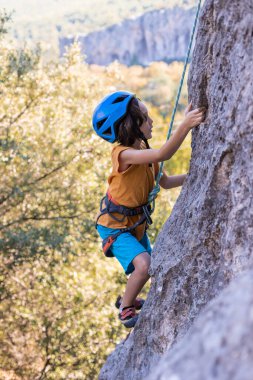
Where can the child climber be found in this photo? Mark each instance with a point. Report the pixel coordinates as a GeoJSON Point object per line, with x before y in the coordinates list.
{"type": "Point", "coordinates": [121, 117]}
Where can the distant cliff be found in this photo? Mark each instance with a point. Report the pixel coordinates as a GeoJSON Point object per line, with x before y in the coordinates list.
{"type": "Point", "coordinates": [160, 35]}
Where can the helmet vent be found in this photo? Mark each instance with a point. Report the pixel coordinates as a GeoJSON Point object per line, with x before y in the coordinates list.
{"type": "Point", "coordinates": [100, 123]}
{"type": "Point", "coordinates": [120, 99]}
{"type": "Point", "coordinates": [108, 132]}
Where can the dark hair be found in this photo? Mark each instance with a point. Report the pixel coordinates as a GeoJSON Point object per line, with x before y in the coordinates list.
{"type": "Point", "coordinates": [128, 129]}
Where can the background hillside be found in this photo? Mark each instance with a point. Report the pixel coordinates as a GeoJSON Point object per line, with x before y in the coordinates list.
{"type": "Point", "coordinates": [157, 35]}
{"type": "Point", "coordinates": [47, 20]}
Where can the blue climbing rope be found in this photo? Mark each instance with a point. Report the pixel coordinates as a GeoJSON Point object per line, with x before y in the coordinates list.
{"type": "Point", "coordinates": [153, 194]}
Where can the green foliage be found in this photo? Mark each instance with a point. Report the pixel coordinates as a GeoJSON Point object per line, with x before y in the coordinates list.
{"type": "Point", "coordinates": [57, 289]}
{"type": "Point", "coordinates": [4, 19]}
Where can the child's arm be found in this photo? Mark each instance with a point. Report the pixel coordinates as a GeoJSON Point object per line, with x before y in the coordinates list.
{"type": "Point", "coordinates": [134, 156]}
{"type": "Point", "coordinates": [168, 182]}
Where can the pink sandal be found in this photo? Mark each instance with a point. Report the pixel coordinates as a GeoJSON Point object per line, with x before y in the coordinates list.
{"type": "Point", "coordinates": [128, 316]}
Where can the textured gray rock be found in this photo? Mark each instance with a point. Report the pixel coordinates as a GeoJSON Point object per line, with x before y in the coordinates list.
{"type": "Point", "coordinates": [160, 35]}
{"type": "Point", "coordinates": [208, 239]}
{"type": "Point", "coordinates": [220, 350]}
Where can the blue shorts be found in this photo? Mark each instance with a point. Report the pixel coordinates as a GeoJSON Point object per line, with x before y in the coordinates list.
{"type": "Point", "coordinates": [126, 247]}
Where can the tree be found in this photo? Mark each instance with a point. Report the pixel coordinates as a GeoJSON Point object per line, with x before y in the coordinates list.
{"type": "Point", "coordinates": [57, 290]}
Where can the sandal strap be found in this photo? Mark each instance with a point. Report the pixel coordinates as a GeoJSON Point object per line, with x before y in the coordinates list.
{"type": "Point", "coordinates": [128, 312]}
{"type": "Point", "coordinates": [127, 307]}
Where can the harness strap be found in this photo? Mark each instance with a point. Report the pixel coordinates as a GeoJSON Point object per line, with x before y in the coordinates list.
{"type": "Point", "coordinates": [112, 206]}
{"type": "Point", "coordinates": [127, 211]}
{"type": "Point", "coordinates": [146, 211]}
{"type": "Point", "coordinates": [107, 242]}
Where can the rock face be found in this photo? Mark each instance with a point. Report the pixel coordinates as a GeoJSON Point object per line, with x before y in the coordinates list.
{"type": "Point", "coordinates": [160, 35]}
{"type": "Point", "coordinates": [220, 350]}
{"type": "Point", "coordinates": [198, 315]}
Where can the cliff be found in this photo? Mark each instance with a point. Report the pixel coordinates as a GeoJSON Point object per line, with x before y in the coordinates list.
{"type": "Point", "coordinates": [160, 35]}
{"type": "Point", "coordinates": [198, 316]}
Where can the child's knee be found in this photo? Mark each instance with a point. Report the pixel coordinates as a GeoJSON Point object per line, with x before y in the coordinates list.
{"type": "Point", "coordinates": [142, 264]}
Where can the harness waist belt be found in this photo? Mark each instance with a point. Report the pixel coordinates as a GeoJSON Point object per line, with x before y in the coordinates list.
{"type": "Point", "coordinates": [113, 206]}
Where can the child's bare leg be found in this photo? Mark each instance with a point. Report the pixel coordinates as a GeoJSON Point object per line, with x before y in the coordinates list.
{"type": "Point", "coordinates": [137, 280]}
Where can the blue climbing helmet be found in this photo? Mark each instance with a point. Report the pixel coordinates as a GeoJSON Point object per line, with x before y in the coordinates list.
{"type": "Point", "coordinates": [109, 112]}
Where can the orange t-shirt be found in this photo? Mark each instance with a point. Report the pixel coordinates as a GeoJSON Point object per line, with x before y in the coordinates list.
{"type": "Point", "coordinates": [129, 188]}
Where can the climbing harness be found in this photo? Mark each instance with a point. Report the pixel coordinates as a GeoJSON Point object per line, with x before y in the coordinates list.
{"type": "Point", "coordinates": [111, 206]}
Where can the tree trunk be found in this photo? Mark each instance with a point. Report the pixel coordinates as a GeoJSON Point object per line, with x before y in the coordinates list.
{"type": "Point", "coordinates": [208, 240]}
